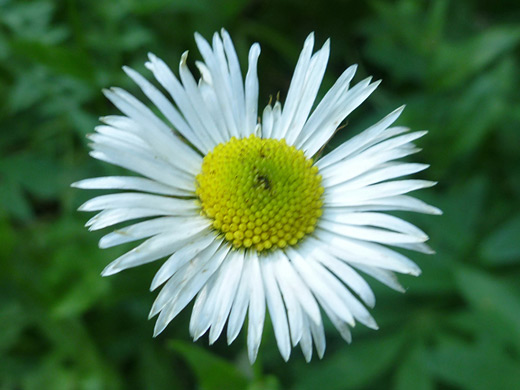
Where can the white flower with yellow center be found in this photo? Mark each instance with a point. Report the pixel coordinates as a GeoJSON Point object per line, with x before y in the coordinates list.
{"type": "Point", "coordinates": [247, 219]}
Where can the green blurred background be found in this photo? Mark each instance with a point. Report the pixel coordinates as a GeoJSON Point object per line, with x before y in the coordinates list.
{"type": "Point", "coordinates": [455, 64]}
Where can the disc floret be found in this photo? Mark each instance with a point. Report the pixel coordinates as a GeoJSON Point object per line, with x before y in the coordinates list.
{"type": "Point", "coordinates": [260, 193]}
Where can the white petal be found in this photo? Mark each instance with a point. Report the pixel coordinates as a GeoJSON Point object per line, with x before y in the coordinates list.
{"type": "Point", "coordinates": [294, 311]}
{"type": "Point", "coordinates": [381, 220]}
{"type": "Point", "coordinates": [210, 99]}
{"type": "Point", "coordinates": [377, 191]}
{"type": "Point", "coordinates": [168, 110]}
{"type": "Point", "coordinates": [158, 134]}
{"type": "Point", "coordinates": [388, 278]}
{"type": "Point", "coordinates": [313, 80]}
{"type": "Point", "coordinates": [221, 81]}
{"type": "Point", "coordinates": [316, 279]}
{"type": "Point", "coordinates": [360, 141]}
{"type": "Point", "coordinates": [276, 308]}
{"type": "Point", "coordinates": [345, 273]}
{"type": "Point", "coordinates": [197, 113]}
{"type": "Point", "coordinates": [318, 335]}
{"type": "Point", "coordinates": [239, 308]}
{"type": "Point", "coordinates": [192, 281]}
{"type": "Point", "coordinates": [130, 200]}
{"type": "Point", "coordinates": [144, 165]}
{"type": "Point", "coordinates": [295, 89]}
{"type": "Point", "coordinates": [370, 234]}
{"type": "Point", "coordinates": [127, 183]}
{"type": "Point", "coordinates": [152, 249]}
{"type": "Point", "coordinates": [184, 227]}
{"type": "Point", "coordinates": [368, 166]}
{"type": "Point", "coordinates": [225, 295]}
{"type": "Point", "coordinates": [197, 244]}
{"type": "Point", "coordinates": [114, 216]}
{"type": "Point", "coordinates": [326, 106]}
{"type": "Point", "coordinates": [352, 99]}
{"type": "Point", "coordinates": [341, 326]}
{"type": "Point", "coordinates": [235, 73]}
{"type": "Point", "coordinates": [167, 79]}
{"type": "Point", "coordinates": [361, 252]}
{"type": "Point", "coordinates": [306, 340]}
{"type": "Point", "coordinates": [301, 290]}
{"type": "Point", "coordinates": [400, 202]}
{"type": "Point", "coordinates": [378, 174]}
{"type": "Point", "coordinates": [256, 314]}
{"type": "Point", "coordinates": [128, 138]}
{"type": "Point", "coordinates": [251, 94]}
{"type": "Point", "coordinates": [267, 122]}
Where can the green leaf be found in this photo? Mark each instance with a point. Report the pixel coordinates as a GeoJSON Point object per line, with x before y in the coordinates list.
{"type": "Point", "coordinates": [359, 364]}
{"type": "Point", "coordinates": [502, 247]}
{"type": "Point", "coordinates": [474, 367]}
{"type": "Point", "coordinates": [62, 60]}
{"type": "Point", "coordinates": [457, 62]}
{"type": "Point", "coordinates": [211, 371]}
{"type": "Point", "coordinates": [412, 374]}
{"type": "Point", "coordinates": [490, 295]}
{"type": "Point", "coordinates": [39, 175]}
{"type": "Point", "coordinates": [268, 382]}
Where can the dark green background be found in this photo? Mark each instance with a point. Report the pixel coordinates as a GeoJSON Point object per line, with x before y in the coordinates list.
{"type": "Point", "coordinates": [455, 64]}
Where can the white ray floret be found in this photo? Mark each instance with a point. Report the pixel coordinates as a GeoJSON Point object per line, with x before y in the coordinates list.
{"type": "Point", "coordinates": [297, 284]}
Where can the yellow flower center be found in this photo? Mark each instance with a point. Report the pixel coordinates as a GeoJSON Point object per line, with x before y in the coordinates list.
{"type": "Point", "coordinates": [260, 193]}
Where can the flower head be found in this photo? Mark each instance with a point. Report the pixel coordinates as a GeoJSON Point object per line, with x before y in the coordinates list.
{"type": "Point", "coordinates": [247, 219]}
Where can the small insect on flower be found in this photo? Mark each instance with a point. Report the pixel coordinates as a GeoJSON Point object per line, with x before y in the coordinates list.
{"type": "Point", "coordinates": [247, 219]}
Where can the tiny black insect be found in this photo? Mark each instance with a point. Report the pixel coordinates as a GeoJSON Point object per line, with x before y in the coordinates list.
{"type": "Point", "coordinates": [263, 181]}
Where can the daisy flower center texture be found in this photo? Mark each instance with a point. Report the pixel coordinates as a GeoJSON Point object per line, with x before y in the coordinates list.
{"type": "Point", "coordinates": [243, 221]}
{"type": "Point", "coordinates": [260, 193]}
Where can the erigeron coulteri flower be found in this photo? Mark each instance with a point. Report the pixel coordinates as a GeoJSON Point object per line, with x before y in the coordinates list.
{"type": "Point", "coordinates": [246, 216]}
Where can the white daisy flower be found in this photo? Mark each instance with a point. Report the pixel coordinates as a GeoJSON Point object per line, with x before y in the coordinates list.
{"type": "Point", "coordinates": [248, 221]}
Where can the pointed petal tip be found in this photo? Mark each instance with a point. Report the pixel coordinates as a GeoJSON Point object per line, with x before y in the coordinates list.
{"type": "Point", "coordinates": [376, 83]}
{"type": "Point", "coordinates": [109, 270]}
{"type": "Point", "coordinates": [157, 330]}
{"type": "Point", "coordinates": [372, 324]}
{"type": "Point", "coordinates": [155, 283]}
{"type": "Point", "coordinates": [252, 358]}
{"type": "Point", "coordinates": [184, 58]}
{"type": "Point", "coordinates": [414, 271]}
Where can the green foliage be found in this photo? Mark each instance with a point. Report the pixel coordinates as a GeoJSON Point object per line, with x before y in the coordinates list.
{"type": "Point", "coordinates": [454, 63]}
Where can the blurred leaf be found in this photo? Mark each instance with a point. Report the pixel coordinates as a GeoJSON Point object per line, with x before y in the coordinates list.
{"type": "Point", "coordinates": [480, 325]}
{"type": "Point", "coordinates": [491, 296]}
{"type": "Point", "coordinates": [81, 296]}
{"type": "Point", "coordinates": [62, 60]}
{"type": "Point", "coordinates": [269, 382]}
{"type": "Point", "coordinates": [212, 372]}
{"type": "Point", "coordinates": [37, 174]}
{"type": "Point", "coordinates": [455, 63]}
{"type": "Point", "coordinates": [177, 6]}
{"type": "Point", "coordinates": [359, 364]}
{"type": "Point", "coordinates": [412, 373]}
{"type": "Point", "coordinates": [12, 200]}
{"type": "Point", "coordinates": [156, 369]}
{"type": "Point", "coordinates": [480, 367]}
{"type": "Point", "coordinates": [13, 320]}
{"type": "Point", "coordinates": [456, 230]}
{"type": "Point", "coordinates": [502, 247]}
{"type": "Point", "coordinates": [31, 20]}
